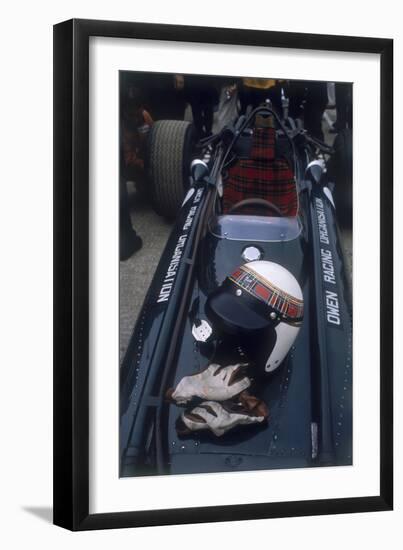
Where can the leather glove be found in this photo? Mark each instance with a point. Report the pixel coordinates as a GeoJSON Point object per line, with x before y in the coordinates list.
{"type": "Point", "coordinates": [216, 383]}
{"type": "Point", "coordinates": [219, 417]}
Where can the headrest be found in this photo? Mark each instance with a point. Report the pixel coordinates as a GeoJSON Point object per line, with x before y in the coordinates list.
{"type": "Point", "coordinates": [263, 144]}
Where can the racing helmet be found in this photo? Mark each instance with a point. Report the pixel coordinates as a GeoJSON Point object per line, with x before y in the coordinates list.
{"type": "Point", "coordinates": [261, 305]}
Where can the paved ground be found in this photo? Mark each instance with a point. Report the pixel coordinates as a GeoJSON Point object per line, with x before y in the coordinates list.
{"type": "Point", "coordinates": [136, 273]}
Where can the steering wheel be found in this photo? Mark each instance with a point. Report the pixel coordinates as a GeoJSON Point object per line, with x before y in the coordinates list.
{"type": "Point", "coordinates": [255, 202]}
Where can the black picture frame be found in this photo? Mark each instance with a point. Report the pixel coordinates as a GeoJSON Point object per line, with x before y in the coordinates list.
{"type": "Point", "coordinates": [71, 274]}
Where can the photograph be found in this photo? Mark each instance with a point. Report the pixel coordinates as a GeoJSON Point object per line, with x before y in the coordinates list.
{"type": "Point", "coordinates": [235, 273]}
{"type": "Point", "coordinates": [202, 256]}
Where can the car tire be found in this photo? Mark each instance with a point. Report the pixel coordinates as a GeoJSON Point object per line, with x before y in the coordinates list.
{"type": "Point", "coordinates": [169, 154]}
{"type": "Point", "coordinates": [341, 172]}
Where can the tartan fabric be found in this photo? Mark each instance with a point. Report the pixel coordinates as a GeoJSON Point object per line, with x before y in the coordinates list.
{"type": "Point", "coordinates": [287, 307]}
{"type": "Point", "coordinates": [262, 176]}
{"type": "Point", "coordinates": [263, 143]}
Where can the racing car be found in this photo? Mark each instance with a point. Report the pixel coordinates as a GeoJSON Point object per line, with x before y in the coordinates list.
{"type": "Point", "coordinates": [241, 357]}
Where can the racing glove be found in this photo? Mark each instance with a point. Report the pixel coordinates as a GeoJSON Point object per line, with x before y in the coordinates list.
{"type": "Point", "coordinates": [219, 417]}
{"type": "Point", "coordinates": [216, 383]}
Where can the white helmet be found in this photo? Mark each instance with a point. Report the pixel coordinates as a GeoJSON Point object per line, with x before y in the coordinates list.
{"type": "Point", "coordinates": [262, 304]}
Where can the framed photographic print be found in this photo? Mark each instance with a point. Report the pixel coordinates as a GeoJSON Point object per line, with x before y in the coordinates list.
{"type": "Point", "coordinates": [223, 274]}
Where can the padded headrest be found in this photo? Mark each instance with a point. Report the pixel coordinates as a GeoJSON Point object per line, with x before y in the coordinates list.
{"type": "Point", "coordinates": [263, 144]}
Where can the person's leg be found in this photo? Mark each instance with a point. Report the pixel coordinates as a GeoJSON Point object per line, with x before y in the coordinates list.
{"type": "Point", "coordinates": [207, 101]}
{"type": "Point", "coordinates": [195, 101]}
{"type": "Point", "coordinates": [246, 97]}
{"type": "Point", "coordinates": [129, 241]}
{"type": "Point", "coordinates": [316, 102]}
{"type": "Point", "coordinates": [344, 105]}
{"type": "Point", "coordinates": [296, 92]}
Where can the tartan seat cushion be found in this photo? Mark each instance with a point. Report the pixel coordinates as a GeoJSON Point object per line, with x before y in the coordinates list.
{"type": "Point", "coordinates": [262, 176]}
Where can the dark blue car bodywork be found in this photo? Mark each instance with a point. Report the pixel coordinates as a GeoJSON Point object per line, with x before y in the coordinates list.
{"type": "Point", "coordinates": [309, 396]}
